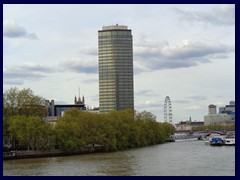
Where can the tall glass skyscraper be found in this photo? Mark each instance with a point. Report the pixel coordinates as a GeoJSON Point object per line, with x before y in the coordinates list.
{"type": "Point", "coordinates": [115, 53]}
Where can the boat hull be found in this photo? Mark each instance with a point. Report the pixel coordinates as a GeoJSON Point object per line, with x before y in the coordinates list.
{"type": "Point", "coordinates": [217, 141]}
{"type": "Point", "coordinates": [229, 142]}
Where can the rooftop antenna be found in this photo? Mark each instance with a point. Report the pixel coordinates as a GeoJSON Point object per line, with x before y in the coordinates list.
{"type": "Point", "coordinates": [79, 92]}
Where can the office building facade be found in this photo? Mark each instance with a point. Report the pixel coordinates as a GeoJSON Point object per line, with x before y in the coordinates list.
{"type": "Point", "coordinates": [115, 68]}
{"type": "Point", "coordinates": [228, 109]}
{"type": "Point", "coordinates": [212, 109]}
{"type": "Point", "coordinates": [225, 116]}
{"type": "Point", "coordinates": [59, 109]}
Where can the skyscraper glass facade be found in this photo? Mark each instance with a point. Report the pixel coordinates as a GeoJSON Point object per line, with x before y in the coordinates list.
{"type": "Point", "coordinates": [115, 68]}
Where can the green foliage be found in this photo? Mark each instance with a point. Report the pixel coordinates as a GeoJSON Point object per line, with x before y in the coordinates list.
{"type": "Point", "coordinates": [78, 130]}
{"type": "Point", "coordinates": [215, 127]}
{"type": "Point", "coordinates": [68, 136]}
{"type": "Point", "coordinates": [117, 130]}
{"type": "Point", "coordinates": [32, 132]}
{"type": "Point", "coordinates": [22, 102]}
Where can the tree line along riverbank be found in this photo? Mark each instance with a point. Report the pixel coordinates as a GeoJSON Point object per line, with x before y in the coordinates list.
{"type": "Point", "coordinates": [79, 131]}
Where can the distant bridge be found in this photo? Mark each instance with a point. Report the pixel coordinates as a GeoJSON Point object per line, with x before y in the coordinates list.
{"type": "Point", "coordinates": [204, 132]}
{"type": "Point", "coordinates": [191, 135]}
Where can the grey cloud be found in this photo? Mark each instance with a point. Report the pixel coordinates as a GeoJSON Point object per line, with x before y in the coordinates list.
{"type": "Point", "coordinates": [32, 36]}
{"type": "Point", "coordinates": [197, 98]}
{"type": "Point", "coordinates": [13, 81]}
{"type": "Point", "coordinates": [79, 66]}
{"type": "Point", "coordinates": [19, 73]}
{"type": "Point", "coordinates": [181, 101]}
{"type": "Point", "coordinates": [13, 30]}
{"type": "Point", "coordinates": [143, 106]}
{"type": "Point", "coordinates": [195, 108]}
{"type": "Point", "coordinates": [89, 51]}
{"type": "Point", "coordinates": [146, 93]}
{"type": "Point", "coordinates": [22, 75]}
{"type": "Point", "coordinates": [150, 104]}
{"type": "Point", "coordinates": [139, 68]}
{"type": "Point", "coordinates": [181, 50]}
{"type": "Point", "coordinates": [155, 105]}
{"type": "Point", "coordinates": [31, 67]}
{"type": "Point", "coordinates": [183, 54]}
{"type": "Point", "coordinates": [223, 15]}
{"type": "Point", "coordinates": [220, 56]}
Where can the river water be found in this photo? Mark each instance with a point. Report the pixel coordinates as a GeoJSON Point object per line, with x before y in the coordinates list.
{"type": "Point", "coordinates": [184, 158]}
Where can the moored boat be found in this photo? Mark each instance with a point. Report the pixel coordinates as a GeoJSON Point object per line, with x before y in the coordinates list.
{"type": "Point", "coordinates": [217, 140]}
{"type": "Point", "coordinates": [229, 141]}
{"type": "Point", "coordinates": [220, 140]}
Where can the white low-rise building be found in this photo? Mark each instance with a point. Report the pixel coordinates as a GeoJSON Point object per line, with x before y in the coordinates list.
{"type": "Point", "coordinates": [218, 119]}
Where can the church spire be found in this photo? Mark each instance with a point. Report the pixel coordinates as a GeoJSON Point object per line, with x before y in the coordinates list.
{"type": "Point", "coordinates": [75, 100]}
{"type": "Point", "coordinates": [79, 98]}
{"type": "Point", "coordinates": [83, 100]}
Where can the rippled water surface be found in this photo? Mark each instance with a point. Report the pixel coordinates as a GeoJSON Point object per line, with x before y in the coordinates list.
{"type": "Point", "coordinates": [186, 158]}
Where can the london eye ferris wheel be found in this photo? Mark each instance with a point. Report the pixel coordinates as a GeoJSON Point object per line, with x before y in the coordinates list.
{"type": "Point", "coordinates": [168, 110]}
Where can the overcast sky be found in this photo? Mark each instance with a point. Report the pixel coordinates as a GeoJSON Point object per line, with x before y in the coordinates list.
{"type": "Point", "coordinates": [186, 52]}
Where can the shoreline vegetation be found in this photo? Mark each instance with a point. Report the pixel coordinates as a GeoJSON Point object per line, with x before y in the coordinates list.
{"type": "Point", "coordinates": [30, 154]}
{"type": "Point", "coordinates": [27, 154]}
{"type": "Point", "coordinates": [77, 131]}
{"type": "Point", "coordinates": [216, 127]}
